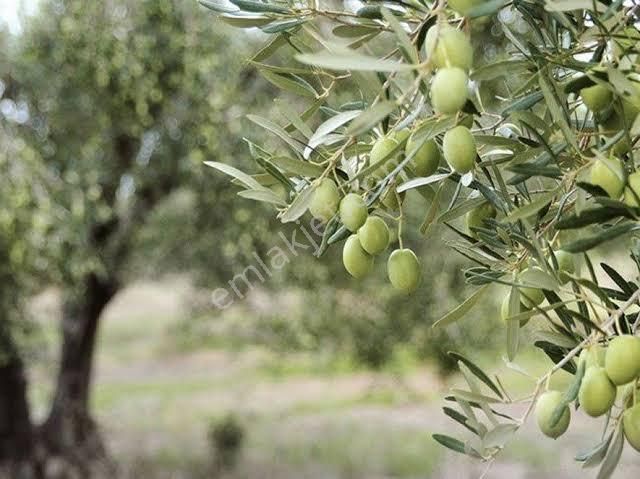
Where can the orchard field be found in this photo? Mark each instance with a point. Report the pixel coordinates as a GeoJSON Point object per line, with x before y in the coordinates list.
{"type": "Point", "coordinates": [304, 416]}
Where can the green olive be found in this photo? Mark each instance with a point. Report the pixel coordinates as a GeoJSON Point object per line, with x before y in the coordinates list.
{"type": "Point", "coordinates": [463, 6]}
{"type": "Point", "coordinates": [597, 392]}
{"type": "Point", "coordinates": [381, 154]}
{"type": "Point", "coordinates": [609, 175]}
{"type": "Point", "coordinates": [449, 90]}
{"type": "Point", "coordinates": [403, 268]}
{"type": "Point", "coordinates": [631, 426]}
{"type": "Point", "coordinates": [389, 199]}
{"type": "Point", "coordinates": [356, 260]}
{"type": "Point", "coordinates": [593, 356]}
{"type": "Point", "coordinates": [622, 147]}
{"type": "Point", "coordinates": [449, 47]}
{"type": "Point", "coordinates": [476, 217]}
{"type": "Point", "coordinates": [459, 149]}
{"type": "Point", "coordinates": [597, 97]}
{"type": "Point", "coordinates": [622, 361]}
{"type": "Point", "coordinates": [425, 161]}
{"type": "Point", "coordinates": [325, 200]}
{"type": "Point", "coordinates": [400, 135]}
{"type": "Point", "coordinates": [353, 211]}
{"type": "Point", "coordinates": [632, 191]}
{"type": "Point", "coordinates": [374, 235]}
{"type": "Point", "coordinates": [545, 408]}
{"type": "Point", "coordinates": [530, 296]}
{"type": "Point", "coordinates": [623, 114]}
{"type": "Point", "coordinates": [566, 265]}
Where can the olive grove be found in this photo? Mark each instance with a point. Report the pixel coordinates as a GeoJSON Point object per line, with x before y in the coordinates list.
{"type": "Point", "coordinates": [111, 117]}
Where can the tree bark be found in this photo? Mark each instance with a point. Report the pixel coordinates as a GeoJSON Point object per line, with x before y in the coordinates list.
{"type": "Point", "coordinates": [17, 439]}
{"type": "Point", "coordinates": [69, 430]}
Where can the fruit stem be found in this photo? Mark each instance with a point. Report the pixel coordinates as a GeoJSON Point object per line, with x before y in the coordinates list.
{"type": "Point", "coordinates": [400, 218]}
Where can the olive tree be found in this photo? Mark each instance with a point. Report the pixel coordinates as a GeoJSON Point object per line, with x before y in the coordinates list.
{"type": "Point", "coordinates": [119, 99]}
{"type": "Point", "coordinates": [526, 156]}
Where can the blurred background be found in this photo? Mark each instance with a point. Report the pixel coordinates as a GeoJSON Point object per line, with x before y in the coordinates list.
{"type": "Point", "coordinates": [114, 362]}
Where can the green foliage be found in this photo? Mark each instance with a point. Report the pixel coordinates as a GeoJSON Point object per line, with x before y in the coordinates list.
{"type": "Point", "coordinates": [535, 153]}
{"type": "Point", "coordinates": [123, 110]}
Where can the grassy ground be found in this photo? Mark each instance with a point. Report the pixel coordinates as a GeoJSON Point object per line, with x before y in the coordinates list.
{"type": "Point", "coordinates": [304, 417]}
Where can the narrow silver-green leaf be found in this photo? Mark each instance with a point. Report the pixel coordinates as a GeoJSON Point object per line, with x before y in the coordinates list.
{"type": "Point", "coordinates": [327, 127]}
{"type": "Point", "coordinates": [276, 130]}
{"type": "Point", "coordinates": [264, 195]}
{"type": "Point", "coordinates": [291, 83]}
{"type": "Point", "coordinates": [298, 167]}
{"type": "Point", "coordinates": [418, 182]}
{"type": "Point", "coordinates": [299, 205]}
{"type": "Point", "coordinates": [371, 117]}
{"type": "Point", "coordinates": [612, 458]}
{"type": "Point", "coordinates": [462, 309]}
{"type": "Point", "coordinates": [241, 176]}
{"type": "Point", "coordinates": [340, 58]}
{"type": "Point", "coordinates": [531, 208]}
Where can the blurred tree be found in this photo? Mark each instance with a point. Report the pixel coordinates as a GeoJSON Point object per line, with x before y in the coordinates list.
{"type": "Point", "coordinates": [23, 224]}
{"type": "Point", "coordinates": [124, 102]}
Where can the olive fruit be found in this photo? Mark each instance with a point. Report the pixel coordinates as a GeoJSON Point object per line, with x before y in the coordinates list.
{"type": "Point", "coordinates": [475, 218]}
{"type": "Point", "coordinates": [449, 90]}
{"type": "Point", "coordinates": [325, 200]}
{"type": "Point", "coordinates": [390, 200]}
{"type": "Point", "coordinates": [356, 260]}
{"type": "Point", "coordinates": [426, 159]}
{"type": "Point", "coordinates": [449, 47]}
{"type": "Point", "coordinates": [374, 235]}
{"type": "Point", "coordinates": [597, 392]}
{"type": "Point", "coordinates": [530, 296]}
{"type": "Point", "coordinates": [631, 426]}
{"type": "Point", "coordinates": [566, 265]}
{"type": "Point", "coordinates": [597, 97]}
{"type": "Point", "coordinates": [632, 191]}
{"type": "Point", "coordinates": [400, 135]}
{"type": "Point", "coordinates": [459, 149]}
{"type": "Point", "coordinates": [622, 361]}
{"type": "Point", "coordinates": [545, 408]}
{"type": "Point", "coordinates": [381, 154]}
{"type": "Point", "coordinates": [353, 211]}
{"type": "Point", "coordinates": [622, 115]}
{"type": "Point", "coordinates": [622, 147]}
{"type": "Point", "coordinates": [609, 175]}
{"type": "Point", "coordinates": [463, 6]}
{"type": "Point", "coordinates": [593, 356]}
{"type": "Point", "coordinates": [403, 268]}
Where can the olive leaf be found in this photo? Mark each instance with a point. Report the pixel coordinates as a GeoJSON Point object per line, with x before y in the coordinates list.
{"type": "Point", "coordinates": [613, 455]}
{"type": "Point", "coordinates": [462, 309]}
{"type": "Point", "coordinates": [341, 58]}
{"type": "Point", "coordinates": [371, 117]}
{"type": "Point", "coordinates": [608, 234]}
{"type": "Point", "coordinates": [299, 205]}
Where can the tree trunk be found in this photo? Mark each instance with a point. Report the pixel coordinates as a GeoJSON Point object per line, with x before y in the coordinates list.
{"type": "Point", "coordinates": [17, 440]}
{"type": "Point", "coordinates": [69, 431]}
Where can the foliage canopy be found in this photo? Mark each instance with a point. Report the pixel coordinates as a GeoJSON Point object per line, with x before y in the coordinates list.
{"type": "Point", "coordinates": [538, 134]}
